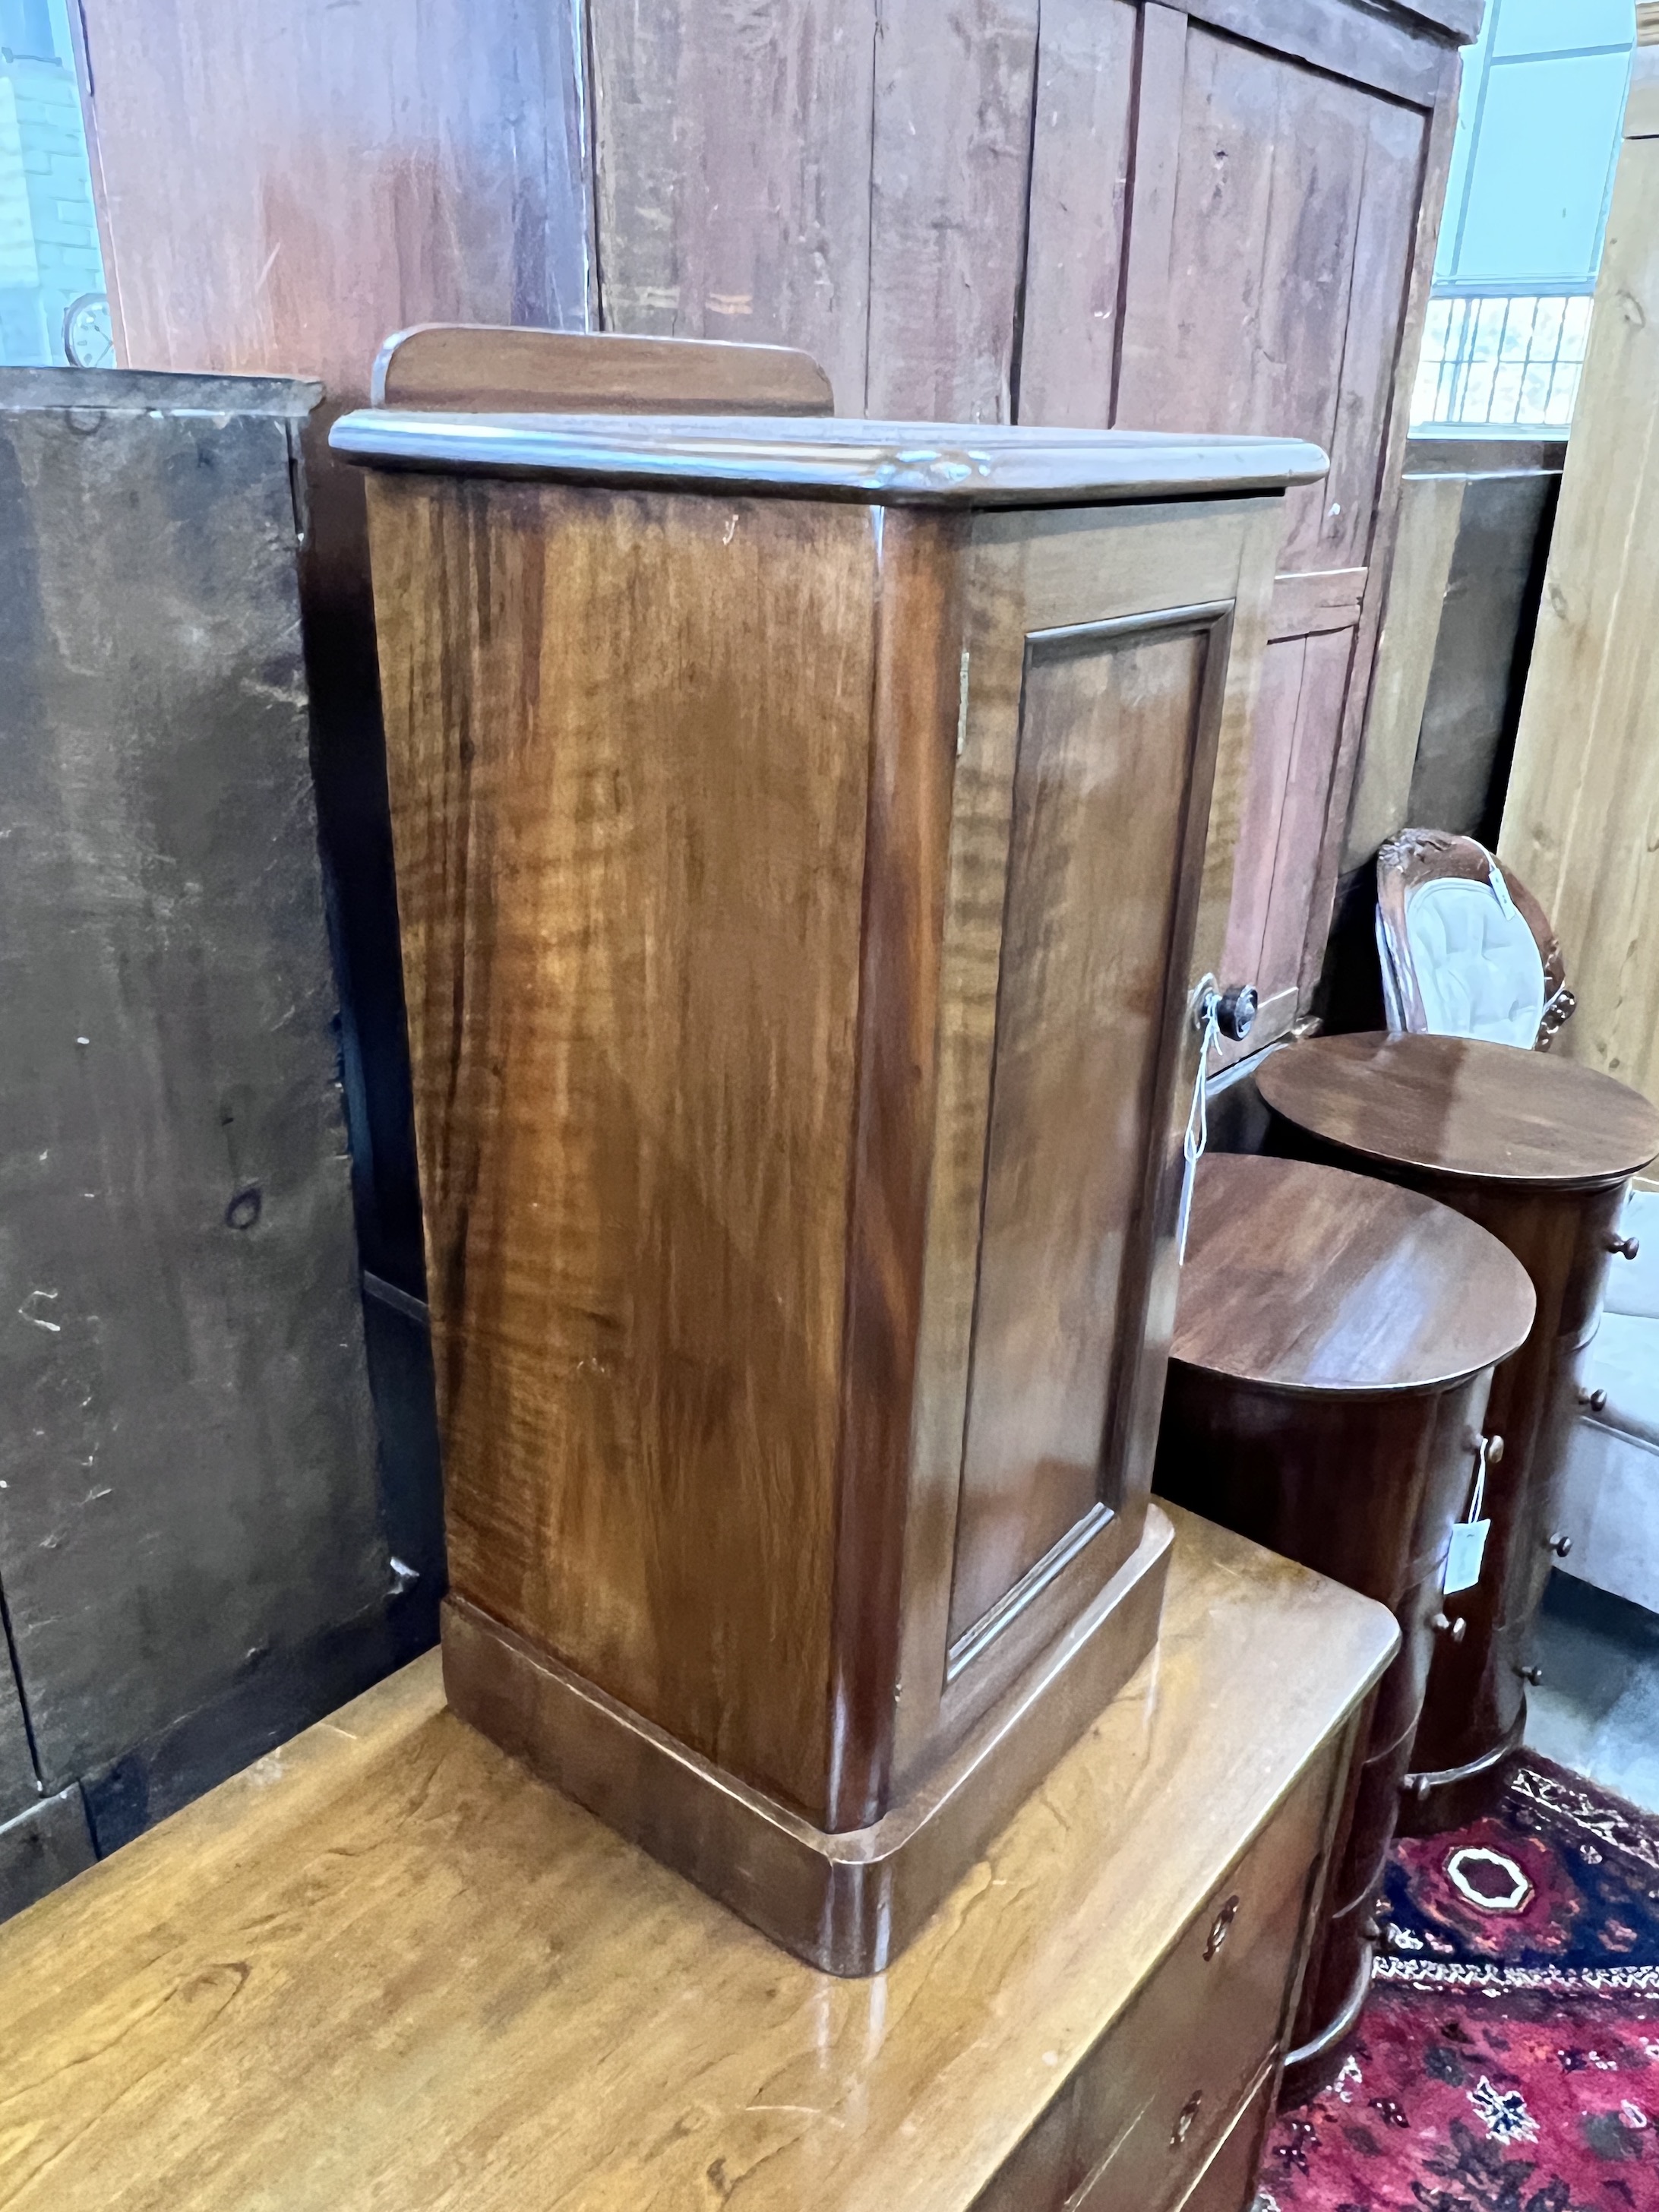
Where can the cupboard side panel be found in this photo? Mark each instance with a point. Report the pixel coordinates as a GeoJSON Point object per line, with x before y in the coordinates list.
{"type": "Point", "coordinates": [629, 739]}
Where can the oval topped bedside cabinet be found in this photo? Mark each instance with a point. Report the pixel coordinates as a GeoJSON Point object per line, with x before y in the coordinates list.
{"type": "Point", "coordinates": [1326, 1396]}
{"type": "Point", "coordinates": [809, 835]}
{"type": "Point", "coordinates": [1540, 1153]}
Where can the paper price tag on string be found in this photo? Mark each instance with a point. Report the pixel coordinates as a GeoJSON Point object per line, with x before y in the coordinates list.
{"type": "Point", "coordinates": [1206, 1020]}
{"type": "Point", "coordinates": [1467, 1553]}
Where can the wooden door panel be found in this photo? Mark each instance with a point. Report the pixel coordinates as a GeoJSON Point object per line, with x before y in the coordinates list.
{"type": "Point", "coordinates": [1109, 742]}
{"type": "Point", "coordinates": [1291, 241]}
{"type": "Point", "coordinates": [1287, 798]}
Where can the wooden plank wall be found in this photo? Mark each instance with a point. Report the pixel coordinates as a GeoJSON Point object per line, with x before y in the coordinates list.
{"type": "Point", "coordinates": [1219, 215]}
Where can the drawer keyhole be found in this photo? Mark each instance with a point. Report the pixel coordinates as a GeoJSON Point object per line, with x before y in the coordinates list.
{"type": "Point", "coordinates": [1184, 2119]}
{"type": "Point", "coordinates": [1222, 1928]}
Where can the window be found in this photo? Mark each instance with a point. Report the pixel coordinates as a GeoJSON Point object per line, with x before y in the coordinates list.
{"type": "Point", "coordinates": [1538, 133]}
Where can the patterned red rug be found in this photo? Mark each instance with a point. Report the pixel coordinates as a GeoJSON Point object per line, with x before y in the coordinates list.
{"type": "Point", "coordinates": [1509, 2058]}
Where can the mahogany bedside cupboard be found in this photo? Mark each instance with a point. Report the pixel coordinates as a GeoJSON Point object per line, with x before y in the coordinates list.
{"type": "Point", "coordinates": [1333, 1350]}
{"type": "Point", "coordinates": [1540, 1151]}
{"type": "Point", "coordinates": [385, 1971]}
{"type": "Point", "coordinates": [805, 849]}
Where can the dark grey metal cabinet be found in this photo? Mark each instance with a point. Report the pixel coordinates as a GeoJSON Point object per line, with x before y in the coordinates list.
{"type": "Point", "coordinates": [194, 1553]}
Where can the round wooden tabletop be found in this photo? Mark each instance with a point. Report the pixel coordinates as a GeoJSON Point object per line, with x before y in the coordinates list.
{"type": "Point", "coordinates": [1308, 1278]}
{"type": "Point", "coordinates": [1453, 1106]}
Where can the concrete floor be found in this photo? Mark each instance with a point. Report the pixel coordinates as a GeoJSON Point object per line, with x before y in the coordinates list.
{"type": "Point", "coordinates": [1596, 1710]}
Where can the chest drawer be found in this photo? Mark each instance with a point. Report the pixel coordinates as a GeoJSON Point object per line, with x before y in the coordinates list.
{"type": "Point", "coordinates": [1151, 2102]}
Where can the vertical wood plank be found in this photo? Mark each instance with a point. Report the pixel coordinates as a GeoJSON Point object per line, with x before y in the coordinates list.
{"type": "Point", "coordinates": [1262, 811]}
{"type": "Point", "coordinates": [732, 162]}
{"type": "Point", "coordinates": [1582, 821]}
{"type": "Point", "coordinates": [1429, 510]}
{"type": "Point", "coordinates": [1300, 853]}
{"type": "Point", "coordinates": [1080, 155]}
{"type": "Point", "coordinates": [1159, 98]}
{"type": "Point", "coordinates": [949, 169]}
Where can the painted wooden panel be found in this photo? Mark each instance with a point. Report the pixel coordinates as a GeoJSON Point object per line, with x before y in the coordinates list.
{"type": "Point", "coordinates": [949, 170]}
{"type": "Point", "coordinates": [733, 161]}
{"type": "Point", "coordinates": [185, 1422]}
{"type": "Point", "coordinates": [651, 1188]}
{"type": "Point", "coordinates": [1108, 731]}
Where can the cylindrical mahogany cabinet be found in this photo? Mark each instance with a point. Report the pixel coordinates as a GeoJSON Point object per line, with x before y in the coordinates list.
{"type": "Point", "coordinates": [1540, 1151]}
{"type": "Point", "coordinates": [806, 861]}
{"type": "Point", "coordinates": [1327, 1396]}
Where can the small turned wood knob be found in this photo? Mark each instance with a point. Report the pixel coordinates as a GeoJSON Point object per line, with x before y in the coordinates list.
{"type": "Point", "coordinates": [1594, 1399]}
{"type": "Point", "coordinates": [1626, 1247]}
{"type": "Point", "coordinates": [1561, 1546]}
{"type": "Point", "coordinates": [1533, 1675]}
{"type": "Point", "coordinates": [1444, 1625]}
{"type": "Point", "coordinates": [1417, 1786]}
{"type": "Point", "coordinates": [1184, 2119]}
{"type": "Point", "coordinates": [1494, 1450]}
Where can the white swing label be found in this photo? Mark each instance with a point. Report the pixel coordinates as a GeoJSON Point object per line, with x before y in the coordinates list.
{"type": "Point", "coordinates": [1468, 1549]}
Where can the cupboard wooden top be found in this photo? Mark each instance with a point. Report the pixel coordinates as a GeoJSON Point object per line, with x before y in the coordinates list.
{"type": "Point", "coordinates": [384, 1967]}
{"type": "Point", "coordinates": [1454, 1106]}
{"type": "Point", "coordinates": [956, 464]}
{"type": "Point", "coordinates": [1302, 1278]}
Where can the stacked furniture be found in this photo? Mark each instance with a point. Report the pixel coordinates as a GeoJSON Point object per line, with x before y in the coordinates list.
{"type": "Point", "coordinates": [809, 833]}
{"type": "Point", "coordinates": [1333, 1358]}
{"type": "Point", "coordinates": [1609, 1512]}
{"type": "Point", "coordinates": [395, 1915]}
{"type": "Point", "coordinates": [1540, 1153]}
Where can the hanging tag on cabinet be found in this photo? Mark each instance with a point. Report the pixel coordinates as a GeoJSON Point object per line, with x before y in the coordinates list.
{"type": "Point", "coordinates": [1469, 1538]}
{"type": "Point", "coordinates": [1206, 1017]}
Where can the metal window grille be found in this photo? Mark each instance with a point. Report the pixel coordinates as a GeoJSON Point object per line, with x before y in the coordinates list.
{"type": "Point", "coordinates": [1506, 362]}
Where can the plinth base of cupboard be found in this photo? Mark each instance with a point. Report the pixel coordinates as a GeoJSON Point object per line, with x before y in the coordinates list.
{"type": "Point", "coordinates": [847, 1903]}
{"type": "Point", "coordinates": [1431, 1803]}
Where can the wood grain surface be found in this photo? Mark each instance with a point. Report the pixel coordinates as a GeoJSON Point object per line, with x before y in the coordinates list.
{"type": "Point", "coordinates": [384, 1967]}
{"type": "Point", "coordinates": [1098, 831]}
{"type": "Point", "coordinates": [190, 1493]}
{"type": "Point", "coordinates": [1303, 1277]}
{"type": "Point", "coordinates": [483, 370]}
{"type": "Point", "coordinates": [731, 157]}
{"type": "Point", "coordinates": [949, 169]}
{"type": "Point", "coordinates": [1457, 1106]}
{"type": "Point", "coordinates": [629, 775]}
{"type": "Point", "coordinates": [1583, 794]}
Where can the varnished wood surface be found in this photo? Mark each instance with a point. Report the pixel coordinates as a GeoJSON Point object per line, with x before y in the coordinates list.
{"type": "Point", "coordinates": [1104, 839]}
{"type": "Point", "coordinates": [385, 1969]}
{"type": "Point", "coordinates": [1455, 1106]}
{"type": "Point", "coordinates": [503, 370]}
{"type": "Point", "coordinates": [1050, 573]}
{"type": "Point", "coordinates": [1300, 1278]}
{"type": "Point", "coordinates": [630, 830]}
{"type": "Point", "coordinates": [932, 463]}
{"type": "Point", "coordinates": [1327, 1393]}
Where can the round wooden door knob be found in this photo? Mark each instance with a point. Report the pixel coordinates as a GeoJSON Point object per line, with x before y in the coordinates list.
{"type": "Point", "coordinates": [1444, 1625]}
{"type": "Point", "coordinates": [1561, 1546]}
{"type": "Point", "coordinates": [1626, 1247]}
{"type": "Point", "coordinates": [1533, 1675]}
{"type": "Point", "coordinates": [1594, 1401]}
